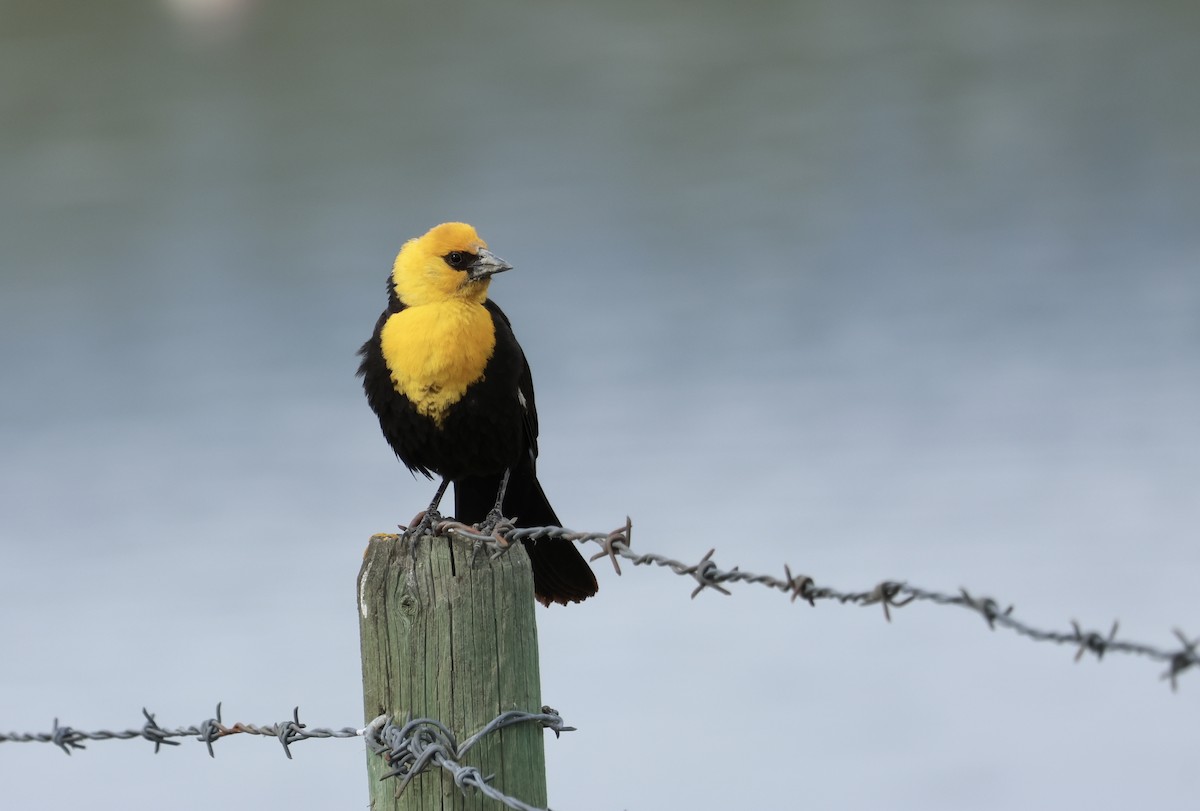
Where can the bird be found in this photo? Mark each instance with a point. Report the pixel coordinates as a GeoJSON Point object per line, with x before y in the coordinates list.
{"type": "Point", "coordinates": [453, 392]}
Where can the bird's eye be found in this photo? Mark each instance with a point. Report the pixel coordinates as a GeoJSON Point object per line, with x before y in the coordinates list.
{"type": "Point", "coordinates": [457, 259]}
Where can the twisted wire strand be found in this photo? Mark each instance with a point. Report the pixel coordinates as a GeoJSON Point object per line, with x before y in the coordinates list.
{"type": "Point", "coordinates": [422, 743]}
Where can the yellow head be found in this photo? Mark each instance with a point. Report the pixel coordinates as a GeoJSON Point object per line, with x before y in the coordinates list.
{"type": "Point", "coordinates": [449, 262]}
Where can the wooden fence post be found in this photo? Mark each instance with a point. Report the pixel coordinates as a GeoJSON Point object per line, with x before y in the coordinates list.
{"type": "Point", "coordinates": [454, 640]}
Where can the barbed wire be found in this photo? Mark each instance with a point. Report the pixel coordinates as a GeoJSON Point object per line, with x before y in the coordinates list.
{"type": "Point", "coordinates": [408, 749]}
{"type": "Point", "coordinates": [889, 594]}
{"type": "Point", "coordinates": [207, 732]}
{"type": "Point", "coordinates": [417, 745]}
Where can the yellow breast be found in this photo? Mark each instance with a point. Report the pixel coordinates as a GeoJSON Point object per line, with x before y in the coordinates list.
{"type": "Point", "coordinates": [436, 351]}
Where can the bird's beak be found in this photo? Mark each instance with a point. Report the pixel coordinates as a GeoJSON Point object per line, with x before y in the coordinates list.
{"type": "Point", "coordinates": [488, 264]}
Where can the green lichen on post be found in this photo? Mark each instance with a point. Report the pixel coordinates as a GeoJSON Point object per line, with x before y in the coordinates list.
{"type": "Point", "coordinates": [452, 639]}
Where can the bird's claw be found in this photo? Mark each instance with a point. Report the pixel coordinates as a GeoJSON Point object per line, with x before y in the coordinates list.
{"type": "Point", "coordinates": [422, 524]}
{"type": "Point", "coordinates": [493, 523]}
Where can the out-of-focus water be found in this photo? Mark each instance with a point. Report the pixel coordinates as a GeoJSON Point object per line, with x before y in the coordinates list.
{"type": "Point", "coordinates": [881, 290]}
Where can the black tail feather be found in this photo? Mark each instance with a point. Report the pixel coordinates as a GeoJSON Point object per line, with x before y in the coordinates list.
{"type": "Point", "coordinates": [560, 573]}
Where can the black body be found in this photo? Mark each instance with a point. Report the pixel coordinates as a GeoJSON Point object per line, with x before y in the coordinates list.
{"type": "Point", "coordinates": [493, 428]}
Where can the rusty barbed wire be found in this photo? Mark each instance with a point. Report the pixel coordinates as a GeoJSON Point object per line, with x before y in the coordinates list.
{"type": "Point", "coordinates": [207, 732]}
{"type": "Point", "coordinates": [408, 749]}
{"type": "Point", "coordinates": [423, 742]}
{"type": "Point", "coordinates": [888, 594]}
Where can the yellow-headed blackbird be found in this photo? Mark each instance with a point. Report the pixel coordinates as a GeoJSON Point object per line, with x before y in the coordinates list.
{"type": "Point", "coordinates": [454, 396]}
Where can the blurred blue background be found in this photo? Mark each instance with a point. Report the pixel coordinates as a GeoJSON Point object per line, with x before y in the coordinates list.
{"type": "Point", "coordinates": [881, 290]}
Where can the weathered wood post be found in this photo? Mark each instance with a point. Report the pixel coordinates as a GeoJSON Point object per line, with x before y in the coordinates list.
{"type": "Point", "coordinates": [447, 638]}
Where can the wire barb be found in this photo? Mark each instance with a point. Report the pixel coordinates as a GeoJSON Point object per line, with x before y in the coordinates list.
{"type": "Point", "coordinates": [886, 594]}
{"type": "Point", "coordinates": [66, 738]}
{"type": "Point", "coordinates": [1092, 641]}
{"type": "Point", "coordinates": [1182, 659]}
{"type": "Point", "coordinates": [151, 731]}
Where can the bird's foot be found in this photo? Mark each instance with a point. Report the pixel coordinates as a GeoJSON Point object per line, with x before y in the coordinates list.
{"type": "Point", "coordinates": [494, 524]}
{"type": "Point", "coordinates": [422, 524]}
{"type": "Point", "coordinates": [497, 526]}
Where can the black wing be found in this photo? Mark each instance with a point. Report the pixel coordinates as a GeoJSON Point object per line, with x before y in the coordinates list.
{"type": "Point", "coordinates": [524, 384]}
